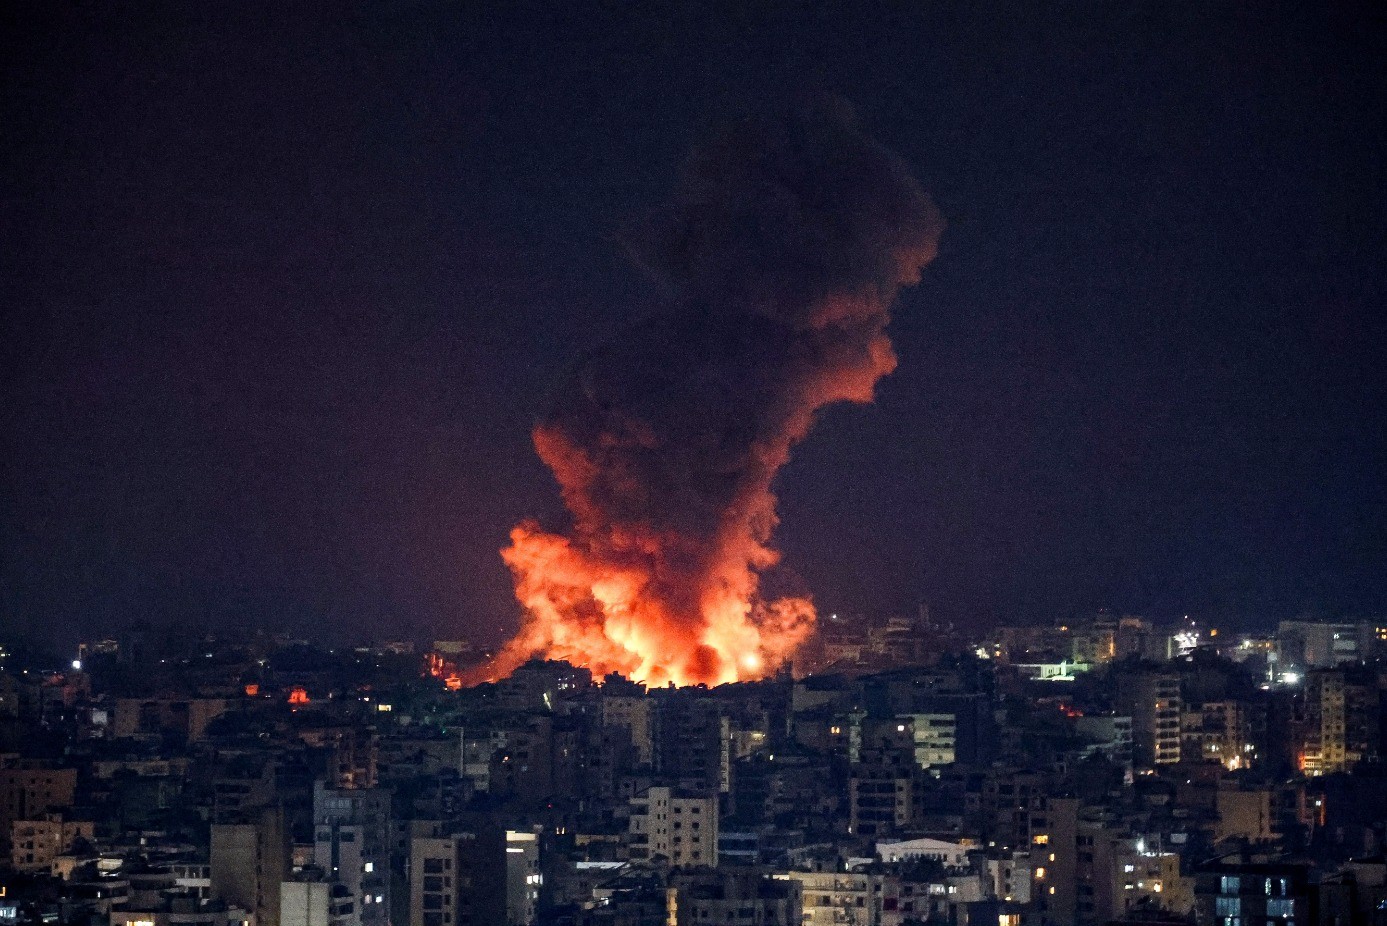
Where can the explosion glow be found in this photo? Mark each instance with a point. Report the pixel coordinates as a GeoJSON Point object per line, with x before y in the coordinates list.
{"type": "Point", "coordinates": [787, 243]}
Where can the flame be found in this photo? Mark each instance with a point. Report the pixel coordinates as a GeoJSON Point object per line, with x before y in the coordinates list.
{"type": "Point", "coordinates": [656, 605]}
{"type": "Point", "coordinates": [788, 244]}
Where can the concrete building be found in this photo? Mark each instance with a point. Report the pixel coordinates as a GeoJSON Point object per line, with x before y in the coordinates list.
{"type": "Point", "coordinates": [249, 861]}
{"type": "Point", "coordinates": [1055, 846]}
{"type": "Point", "coordinates": [636, 715]}
{"type": "Point", "coordinates": [883, 800]}
{"type": "Point", "coordinates": [1324, 723]}
{"type": "Point", "coordinates": [1305, 645]}
{"type": "Point", "coordinates": [693, 748]}
{"type": "Point", "coordinates": [151, 717]}
{"type": "Point", "coordinates": [733, 898]}
{"type": "Point", "coordinates": [1107, 736]}
{"type": "Point", "coordinates": [1243, 814]}
{"type": "Point", "coordinates": [679, 826]}
{"type": "Point", "coordinates": [351, 843]}
{"type": "Point", "coordinates": [523, 878]}
{"type": "Point", "coordinates": [459, 878]}
{"type": "Point", "coordinates": [936, 738]}
{"type": "Point", "coordinates": [1240, 895]}
{"type": "Point", "coordinates": [36, 843]}
{"type": "Point", "coordinates": [1119, 873]}
{"type": "Point", "coordinates": [1152, 699]}
{"type": "Point", "coordinates": [834, 898]}
{"type": "Point", "coordinates": [30, 791]}
{"type": "Point", "coordinates": [315, 903]}
{"type": "Point", "coordinates": [948, 854]}
{"type": "Point", "coordinates": [1216, 731]}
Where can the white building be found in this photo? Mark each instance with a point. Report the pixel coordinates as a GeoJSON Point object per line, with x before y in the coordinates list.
{"type": "Point", "coordinates": [352, 844]}
{"type": "Point", "coordinates": [314, 903]}
{"type": "Point", "coordinates": [950, 854]}
{"type": "Point", "coordinates": [681, 827]}
{"type": "Point", "coordinates": [523, 879]}
{"type": "Point", "coordinates": [936, 737]}
{"type": "Point", "coordinates": [835, 898]}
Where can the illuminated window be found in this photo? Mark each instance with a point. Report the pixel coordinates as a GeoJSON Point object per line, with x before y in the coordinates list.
{"type": "Point", "coordinates": [1040, 874]}
{"type": "Point", "coordinates": [1041, 839]}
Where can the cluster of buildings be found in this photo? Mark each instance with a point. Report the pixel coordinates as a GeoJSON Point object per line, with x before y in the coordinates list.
{"type": "Point", "coordinates": [1093, 772]}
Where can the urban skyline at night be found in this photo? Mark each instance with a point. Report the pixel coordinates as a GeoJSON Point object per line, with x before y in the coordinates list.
{"type": "Point", "coordinates": [693, 464]}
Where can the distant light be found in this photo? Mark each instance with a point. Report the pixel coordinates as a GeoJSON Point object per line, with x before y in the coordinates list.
{"type": "Point", "coordinates": [77, 664]}
{"type": "Point", "coordinates": [384, 708]}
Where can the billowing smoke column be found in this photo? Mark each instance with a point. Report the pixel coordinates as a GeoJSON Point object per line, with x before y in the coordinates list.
{"type": "Point", "coordinates": [787, 242]}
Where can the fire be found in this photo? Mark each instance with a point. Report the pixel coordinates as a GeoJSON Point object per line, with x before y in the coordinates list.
{"type": "Point", "coordinates": [788, 244]}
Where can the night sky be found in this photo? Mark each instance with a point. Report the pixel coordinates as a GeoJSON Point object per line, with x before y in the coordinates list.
{"type": "Point", "coordinates": [283, 297]}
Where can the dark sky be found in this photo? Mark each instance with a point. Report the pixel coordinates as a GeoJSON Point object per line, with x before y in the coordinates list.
{"type": "Point", "coordinates": [283, 297]}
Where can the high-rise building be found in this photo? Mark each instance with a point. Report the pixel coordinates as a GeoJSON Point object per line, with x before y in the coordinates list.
{"type": "Point", "coordinates": [315, 903]}
{"type": "Point", "coordinates": [1322, 645]}
{"type": "Point", "coordinates": [1324, 722]}
{"type": "Point", "coordinates": [1056, 849]}
{"type": "Point", "coordinates": [458, 878]}
{"type": "Point", "coordinates": [1216, 731]}
{"type": "Point", "coordinates": [523, 878]}
{"type": "Point", "coordinates": [351, 843]}
{"type": "Point", "coordinates": [692, 741]}
{"type": "Point", "coordinates": [1151, 698]}
{"type": "Point", "coordinates": [249, 861]}
{"type": "Point", "coordinates": [682, 827]}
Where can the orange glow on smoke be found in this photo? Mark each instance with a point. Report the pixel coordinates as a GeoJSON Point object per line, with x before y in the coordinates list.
{"type": "Point", "coordinates": [787, 244]}
{"type": "Point", "coordinates": [659, 607]}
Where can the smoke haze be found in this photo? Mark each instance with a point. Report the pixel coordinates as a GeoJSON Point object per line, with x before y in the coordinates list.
{"type": "Point", "coordinates": [786, 244]}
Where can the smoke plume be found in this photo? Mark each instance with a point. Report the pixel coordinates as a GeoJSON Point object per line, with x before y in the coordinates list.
{"type": "Point", "coordinates": [786, 243]}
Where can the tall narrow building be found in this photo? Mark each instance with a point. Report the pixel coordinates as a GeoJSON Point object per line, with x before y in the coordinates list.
{"type": "Point", "coordinates": [458, 878]}
{"type": "Point", "coordinates": [351, 843]}
{"type": "Point", "coordinates": [249, 860]}
{"type": "Point", "coordinates": [1151, 697]}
